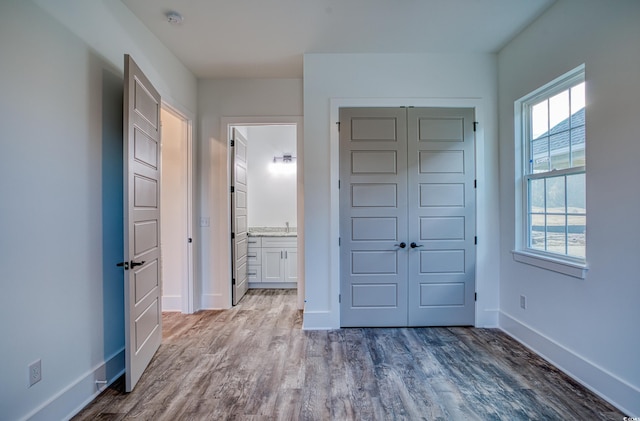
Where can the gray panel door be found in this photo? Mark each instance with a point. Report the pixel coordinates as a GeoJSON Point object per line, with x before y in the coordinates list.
{"type": "Point", "coordinates": [239, 244]}
{"type": "Point", "coordinates": [441, 216]}
{"type": "Point", "coordinates": [407, 217]}
{"type": "Point", "coordinates": [373, 216]}
{"type": "Point", "coordinates": [143, 321]}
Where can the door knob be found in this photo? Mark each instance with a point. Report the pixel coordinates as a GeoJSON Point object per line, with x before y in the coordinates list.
{"type": "Point", "coordinates": [134, 264]}
{"type": "Point", "coordinates": [414, 245]}
{"type": "Point", "coordinates": [401, 245]}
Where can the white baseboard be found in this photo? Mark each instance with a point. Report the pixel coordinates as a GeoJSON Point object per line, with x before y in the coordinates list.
{"type": "Point", "coordinates": [487, 318]}
{"type": "Point", "coordinates": [214, 302]}
{"type": "Point", "coordinates": [319, 320]}
{"type": "Point", "coordinates": [79, 394]}
{"type": "Point", "coordinates": [608, 386]}
{"type": "Point", "coordinates": [171, 303]}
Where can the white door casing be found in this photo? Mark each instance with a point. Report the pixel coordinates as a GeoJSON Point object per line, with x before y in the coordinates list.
{"type": "Point", "coordinates": [407, 216]}
{"type": "Point", "coordinates": [225, 263]}
{"type": "Point", "coordinates": [239, 222]}
{"type": "Point", "coordinates": [142, 292]}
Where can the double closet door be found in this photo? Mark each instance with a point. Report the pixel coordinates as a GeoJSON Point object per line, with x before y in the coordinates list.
{"type": "Point", "coordinates": [407, 217]}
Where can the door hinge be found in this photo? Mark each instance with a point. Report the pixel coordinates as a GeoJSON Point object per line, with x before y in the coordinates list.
{"type": "Point", "coordinates": [233, 281]}
{"type": "Point", "coordinates": [339, 298]}
{"type": "Point", "coordinates": [475, 240]}
{"type": "Point", "coordinates": [233, 189]}
{"type": "Point", "coordinates": [338, 184]}
{"type": "Point", "coordinates": [475, 296]}
{"type": "Point", "coordinates": [475, 126]}
{"type": "Point", "coordinates": [475, 184]}
{"type": "Point", "coordinates": [232, 143]}
{"type": "Point", "coordinates": [339, 241]}
{"type": "Point", "coordinates": [233, 235]}
{"type": "Point", "coordinates": [189, 240]}
{"type": "Point", "coordinates": [338, 124]}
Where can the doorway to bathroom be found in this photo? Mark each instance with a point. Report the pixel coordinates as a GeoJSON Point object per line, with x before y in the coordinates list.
{"type": "Point", "coordinates": [265, 215]}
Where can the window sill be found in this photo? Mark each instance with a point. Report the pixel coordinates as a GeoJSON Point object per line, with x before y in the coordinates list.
{"type": "Point", "coordinates": [575, 270]}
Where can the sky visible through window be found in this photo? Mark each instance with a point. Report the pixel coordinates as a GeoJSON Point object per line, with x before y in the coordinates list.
{"type": "Point", "coordinates": [548, 114]}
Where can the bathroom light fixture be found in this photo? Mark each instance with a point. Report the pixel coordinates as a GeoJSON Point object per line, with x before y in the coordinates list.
{"type": "Point", "coordinates": [286, 158]}
{"type": "Point", "coordinates": [174, 17]}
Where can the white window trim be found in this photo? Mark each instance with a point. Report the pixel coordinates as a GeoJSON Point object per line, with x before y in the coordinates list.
{"type": "Point", "coordinates": [576, 270]}
{"type": "Point", "coordinates": [567, 265]}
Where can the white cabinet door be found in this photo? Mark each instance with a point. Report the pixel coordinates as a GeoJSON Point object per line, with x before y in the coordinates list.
{"type": "Point", "coordinates": [272, 266]}
{"type": "Point", "coordinates": [290, 261]}
{"type": "Point", "coordinates": [278, 260]}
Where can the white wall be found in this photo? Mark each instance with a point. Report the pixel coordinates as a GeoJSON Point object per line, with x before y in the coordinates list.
{"type": "Point", "coordinates": [587, 327]}
{"type": "Point", "coordinates": [272, 195]}
{"type": "Point", "coordinates": [333, 80]}
{"type": "Point", "coordinates": [61, 195]}
{"type": "Point", "coordinates": [230, 99]}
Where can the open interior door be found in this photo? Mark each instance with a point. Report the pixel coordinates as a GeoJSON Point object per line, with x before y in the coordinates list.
{"type": "Point", "coordinates": [240, 282]}
{"type": "Point", "coordinates": [142, 292]}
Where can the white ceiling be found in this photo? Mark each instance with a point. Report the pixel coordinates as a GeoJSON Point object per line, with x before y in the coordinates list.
{"type": "Point", "coordinates": [266, 38]}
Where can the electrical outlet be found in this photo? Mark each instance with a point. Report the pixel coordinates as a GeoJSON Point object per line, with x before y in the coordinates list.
{"type": "Point", "coordinates": [35, 372]}
{"type": "Point", "coordinates": [523, 302]}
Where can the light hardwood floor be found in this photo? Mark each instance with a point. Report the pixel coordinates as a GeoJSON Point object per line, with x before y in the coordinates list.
{"type": "Point", "coordinates": [254, 362]}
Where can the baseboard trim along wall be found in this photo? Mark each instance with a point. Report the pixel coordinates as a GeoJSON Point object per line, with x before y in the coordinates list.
{"type": "Point", "coordinates": [611, 388]}
{"type": "Point", "coordinates": [79, 394]}
{"type": "Point", "coordinates": [487, 318]}
{"type": "Point", "coordinates": [214, 302]}
{"type": "Point", "coordinates": [171, 303]}
{"type": "Point", "coordinates": [318, 320]}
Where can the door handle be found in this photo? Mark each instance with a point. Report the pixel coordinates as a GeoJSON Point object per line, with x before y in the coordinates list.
{"type": "Point", "coordinates": [134, 264]}
{"type": "Point", "coordinates": [124, 265]}
{"type": "Point", "coordinates": [414, 245]}
{"type": "Point", "coordinates": [401, 245]}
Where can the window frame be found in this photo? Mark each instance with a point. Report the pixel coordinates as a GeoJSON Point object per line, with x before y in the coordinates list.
{"type": "Point", "coordinates": [562, 263]}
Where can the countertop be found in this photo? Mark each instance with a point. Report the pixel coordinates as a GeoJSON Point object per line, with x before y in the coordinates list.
{"type": "Point", "coordinates": [272, 232]}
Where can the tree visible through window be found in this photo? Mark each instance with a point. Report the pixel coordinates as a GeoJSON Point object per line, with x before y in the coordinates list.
{"type": "Point", "coordinates": [554, 170]}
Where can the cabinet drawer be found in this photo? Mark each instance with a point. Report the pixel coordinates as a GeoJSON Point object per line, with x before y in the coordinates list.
{"type": "Point", "coordinates": [254, 273]}
{"type": "Point", "coordinates": [279, 242]}
{"type": "Point", "coordinates": [254, 256]}
{"type": "Point", "coordinates": [254, 241]}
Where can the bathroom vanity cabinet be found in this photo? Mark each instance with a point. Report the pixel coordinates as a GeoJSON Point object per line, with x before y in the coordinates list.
{"type": "Point", "coordinates": [272, 261]}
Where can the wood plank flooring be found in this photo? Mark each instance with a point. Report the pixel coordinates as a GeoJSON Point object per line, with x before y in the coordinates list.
{"type": "Point", "coordinates": [254, 362]}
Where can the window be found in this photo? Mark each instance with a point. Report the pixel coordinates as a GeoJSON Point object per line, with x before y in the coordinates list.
{"type": "Point", "coordinates": [553, 170]}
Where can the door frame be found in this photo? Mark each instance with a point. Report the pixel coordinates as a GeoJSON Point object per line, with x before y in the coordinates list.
{"type": "Point", "coordinates": [483, 270]}
{"type": "Point", "coordinates": [226, 124]}
{"type": "Point", "coordinates": [188, 291]}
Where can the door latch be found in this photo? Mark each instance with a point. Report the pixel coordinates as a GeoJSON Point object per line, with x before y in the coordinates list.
{"type": "Point", "coordinates": [124, 265]}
